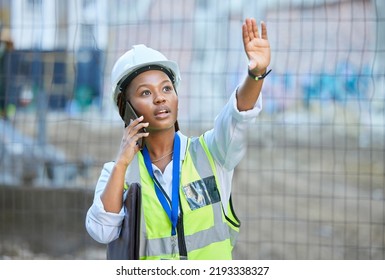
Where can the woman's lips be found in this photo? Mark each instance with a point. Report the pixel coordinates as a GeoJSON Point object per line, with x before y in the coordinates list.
{"type": "Point", "coordinates": [162, 113]}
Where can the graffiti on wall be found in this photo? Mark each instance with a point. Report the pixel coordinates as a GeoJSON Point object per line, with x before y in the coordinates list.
{"type": "Point", "coordinates": [346, 83]}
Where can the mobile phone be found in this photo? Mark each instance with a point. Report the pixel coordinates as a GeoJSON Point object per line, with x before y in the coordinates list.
{"type": "Point", "coordinates": [130, 114]}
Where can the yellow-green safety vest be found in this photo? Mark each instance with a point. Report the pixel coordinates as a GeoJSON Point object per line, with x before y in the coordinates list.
{"type": "Point", "coordinates": [204, 231]}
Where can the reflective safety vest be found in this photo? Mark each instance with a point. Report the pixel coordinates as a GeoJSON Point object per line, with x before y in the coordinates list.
{"type": "Point", "coordinates": [204, 231]}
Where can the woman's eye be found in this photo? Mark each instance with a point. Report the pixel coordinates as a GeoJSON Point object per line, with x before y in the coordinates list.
{"type": "Point", "coordinates": [146, 92]}
{"type": "Point", "coordinates": [167, 88]}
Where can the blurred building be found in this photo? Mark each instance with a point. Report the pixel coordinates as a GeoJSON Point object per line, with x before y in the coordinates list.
{"type": "Point", "coordinates": [58, 52]}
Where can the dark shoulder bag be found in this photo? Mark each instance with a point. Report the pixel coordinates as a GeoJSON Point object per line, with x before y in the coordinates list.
{"type": "Point", "coordinates": [126, 247]}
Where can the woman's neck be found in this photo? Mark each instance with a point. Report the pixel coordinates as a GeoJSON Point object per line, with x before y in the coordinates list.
{"type": "Point", "coordinates": [160, 146]}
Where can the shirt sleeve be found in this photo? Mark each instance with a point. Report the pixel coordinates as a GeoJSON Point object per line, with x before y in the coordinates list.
{"type": "Point", "coordinates": [103, 226]}
{"type": "Point", "coordinates": [227, 141]}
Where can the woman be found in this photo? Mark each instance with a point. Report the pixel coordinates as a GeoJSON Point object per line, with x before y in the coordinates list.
{"type": "Point", "coordinates": [185, 182]}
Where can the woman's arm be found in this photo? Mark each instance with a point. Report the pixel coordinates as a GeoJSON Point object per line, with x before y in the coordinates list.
{"type": "Point", "coordinates": [227, 141]}
{"type": "Point", "coordinates": [113, 192]}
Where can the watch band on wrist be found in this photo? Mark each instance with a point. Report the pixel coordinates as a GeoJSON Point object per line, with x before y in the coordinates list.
{"type": "Point", "coordinates": [257, 78]}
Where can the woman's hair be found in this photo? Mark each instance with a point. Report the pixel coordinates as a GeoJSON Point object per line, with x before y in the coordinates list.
{"type": "Point", "coordinates": [121, 103]}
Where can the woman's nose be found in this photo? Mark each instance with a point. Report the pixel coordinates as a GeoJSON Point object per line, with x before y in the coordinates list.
{"type": "Point", "coordinates": [159, 98]}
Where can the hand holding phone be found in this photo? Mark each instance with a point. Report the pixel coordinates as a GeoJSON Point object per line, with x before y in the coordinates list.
{"type": "Point", "coordinates": [130, 114]}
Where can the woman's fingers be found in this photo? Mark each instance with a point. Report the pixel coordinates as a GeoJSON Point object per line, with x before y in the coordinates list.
{"type": "Point", "coordinates": [264, 30]}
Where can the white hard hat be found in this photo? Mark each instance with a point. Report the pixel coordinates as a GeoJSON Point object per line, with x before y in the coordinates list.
{"type": "Point", "coordinates": [141, 58]}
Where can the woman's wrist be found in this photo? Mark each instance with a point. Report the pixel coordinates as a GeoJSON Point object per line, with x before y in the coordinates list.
{"type": "Point", "coordinates": [257, 72]}
{"type": "Point", "coordinates": [259, 76]}
{"type": "Point", "coordinates": [121, 165]}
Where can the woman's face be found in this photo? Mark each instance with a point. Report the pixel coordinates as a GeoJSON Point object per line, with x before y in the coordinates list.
{"type": "Point", "coordinates": [152, 95]}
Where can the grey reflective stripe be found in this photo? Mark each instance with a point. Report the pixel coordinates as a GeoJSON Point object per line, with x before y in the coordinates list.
{"type": "Point", "coordinates": [206, 237]}
{"type": "Point", "coordinates": [159, 246]}
{"type": "Point", "coordinates": [221, 230]}
{"type": "Point", "coordinates": [233, 236]}
{"type": "Point", "coordinates": [217, 211]}
{"type": "Point", "coordinates": [202, 165]}
{"type": "Point", "coordinates": [133, 176]}
{"type": "Point", "coordinates": [199, 158]}
{"type": "Point", "coordinates": [143, 234]}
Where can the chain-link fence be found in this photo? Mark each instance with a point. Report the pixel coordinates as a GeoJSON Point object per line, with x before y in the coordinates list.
{"type": "Point", "coordinates": [312, 183]}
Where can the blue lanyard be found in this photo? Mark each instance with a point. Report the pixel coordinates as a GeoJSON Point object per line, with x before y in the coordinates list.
{"type": "Point", "coordinates": [172, 212]}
